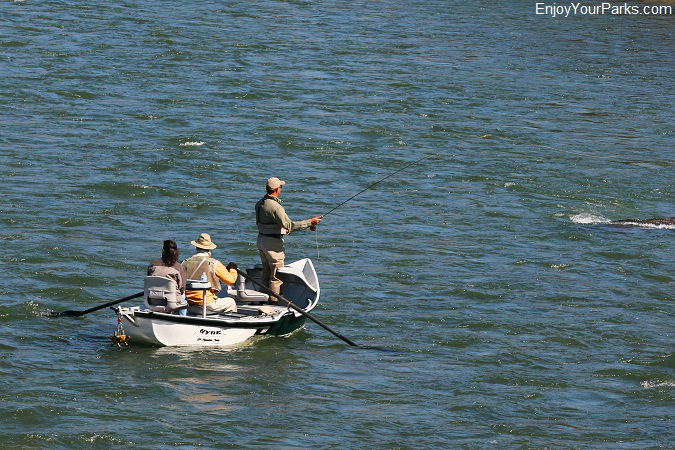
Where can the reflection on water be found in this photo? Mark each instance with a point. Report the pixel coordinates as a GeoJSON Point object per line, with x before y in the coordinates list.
{"type": "Point", "coordinates": [207, 401]}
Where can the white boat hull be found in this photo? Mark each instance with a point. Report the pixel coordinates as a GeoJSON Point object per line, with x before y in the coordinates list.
{"type": "Point", "coordinates": [158, 332]}
{"type": "Point", "coordinates": [143, 326]}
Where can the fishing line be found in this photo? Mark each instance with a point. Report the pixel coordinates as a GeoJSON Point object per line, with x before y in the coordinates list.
{"type": "Point", "coordinates": [316, 235]}
{"type": "Point", "coordinates": [381, 180]}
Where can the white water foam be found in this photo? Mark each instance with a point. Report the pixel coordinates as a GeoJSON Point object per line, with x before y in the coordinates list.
{"type": "Point", "coordinates": [657, 384]}
{"type": "Point", "coordinates": [192, 144]}
{"type": "Point", "coordinates": [588, 218]}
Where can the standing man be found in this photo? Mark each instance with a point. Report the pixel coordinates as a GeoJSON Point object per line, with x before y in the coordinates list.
{"type": "Point", "coordinates": [273, 223]}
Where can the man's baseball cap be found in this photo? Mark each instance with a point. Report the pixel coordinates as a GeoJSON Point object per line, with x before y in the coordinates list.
{"type": "Point", "coordinates": [274, 182]}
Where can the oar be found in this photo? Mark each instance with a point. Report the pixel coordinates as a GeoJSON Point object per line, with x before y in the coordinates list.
{"type": "Point", "coordinates": [297, 308]}
{"type": "Point", "coordinates": [95, 308]}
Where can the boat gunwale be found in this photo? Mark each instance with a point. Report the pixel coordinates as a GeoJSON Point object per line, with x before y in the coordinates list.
{"type": "Point", "coordinates": [212, 321]}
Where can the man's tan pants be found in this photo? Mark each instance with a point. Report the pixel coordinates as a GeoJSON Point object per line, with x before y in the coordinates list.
{"type": "Point", "coordinates": [272, 254]}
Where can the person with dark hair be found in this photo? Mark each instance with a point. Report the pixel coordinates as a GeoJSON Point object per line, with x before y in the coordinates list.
{"type": "Point", "coordinates": [167, 266]}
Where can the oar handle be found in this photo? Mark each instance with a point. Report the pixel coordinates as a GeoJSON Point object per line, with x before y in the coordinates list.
{"type": "Point", "coordinates": [292, 305]}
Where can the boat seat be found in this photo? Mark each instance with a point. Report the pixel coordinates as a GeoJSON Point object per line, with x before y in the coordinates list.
{"type": "Point", "coordinates": [249, 295]}
{"type": "Point", "coordinates": [197, 310]}
{"type": "Point", "coordinates": [161, 294]}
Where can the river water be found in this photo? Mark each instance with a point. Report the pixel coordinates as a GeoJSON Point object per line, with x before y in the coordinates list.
{"type": "Point", "coordinates": [514, 315]}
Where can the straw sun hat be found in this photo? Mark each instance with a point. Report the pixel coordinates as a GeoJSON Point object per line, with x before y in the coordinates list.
{"type": "Point", "coordinates": [204, 242]}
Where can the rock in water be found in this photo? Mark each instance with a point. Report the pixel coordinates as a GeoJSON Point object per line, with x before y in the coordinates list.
{"type": "Point", "coordinates": [654, 221]}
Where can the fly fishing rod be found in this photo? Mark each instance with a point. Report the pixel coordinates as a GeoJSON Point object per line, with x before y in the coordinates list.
{"type": "Point", "coordinates": [379, 181]}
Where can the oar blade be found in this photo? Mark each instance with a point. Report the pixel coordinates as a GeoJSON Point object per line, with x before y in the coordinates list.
{"type": "Point", "coordinates": [376, 348]}
{"type": "Point", "coordinates": [64, 313]}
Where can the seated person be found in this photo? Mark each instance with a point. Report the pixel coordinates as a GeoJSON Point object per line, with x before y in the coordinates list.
{"type": "Point", "coordinates": [168, 267]}
{"type": "Point", "coordinates": [202, 263]}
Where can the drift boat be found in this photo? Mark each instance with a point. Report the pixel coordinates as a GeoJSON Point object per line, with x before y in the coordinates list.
{"type": "Point", "coordinates": [149, 325]}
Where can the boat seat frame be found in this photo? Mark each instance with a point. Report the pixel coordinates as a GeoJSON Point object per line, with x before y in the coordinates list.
{"type": "Point", "coordinates": [160, 294]}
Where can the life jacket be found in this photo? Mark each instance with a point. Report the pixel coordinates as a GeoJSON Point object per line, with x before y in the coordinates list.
{"type": "Point", "coordinates": [197, 264]}
{"type": "Point", "coordinates": [267, 225]}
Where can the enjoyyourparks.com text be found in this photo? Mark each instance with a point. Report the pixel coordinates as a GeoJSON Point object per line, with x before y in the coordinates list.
{"type": "Point", "coordinates": [598, 9]}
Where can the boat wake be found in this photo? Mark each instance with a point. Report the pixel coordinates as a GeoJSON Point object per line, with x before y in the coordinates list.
{"type": "Point", "coordinates": [666, 223]}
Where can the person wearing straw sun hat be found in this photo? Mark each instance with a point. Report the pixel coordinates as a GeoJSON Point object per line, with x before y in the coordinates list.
{"type": "Point", "coordinates": [203, 263]}
{"type": "Point", "coordinates": [273, 224]}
